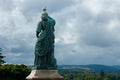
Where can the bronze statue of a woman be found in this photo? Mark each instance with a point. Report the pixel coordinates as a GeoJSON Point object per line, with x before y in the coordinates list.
{"type": "Point", "coordinates": [44, 48]}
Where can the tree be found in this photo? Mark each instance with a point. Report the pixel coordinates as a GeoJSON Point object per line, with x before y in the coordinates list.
{"type": "Point", "coordinates": [1, 57]}
{"type": "Point", "coordinates": [102, 74]}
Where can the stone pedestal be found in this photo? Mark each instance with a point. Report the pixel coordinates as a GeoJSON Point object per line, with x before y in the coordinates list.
{"type": "Point", "coordinates": [44, 75]}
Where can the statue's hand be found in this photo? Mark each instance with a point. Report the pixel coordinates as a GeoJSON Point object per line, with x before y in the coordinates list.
{"type": "Point", "coordinates": [37, 33]}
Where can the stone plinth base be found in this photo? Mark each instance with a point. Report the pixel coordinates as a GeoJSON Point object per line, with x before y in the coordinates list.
{"type": "Point", "coordinates": [44, 75]}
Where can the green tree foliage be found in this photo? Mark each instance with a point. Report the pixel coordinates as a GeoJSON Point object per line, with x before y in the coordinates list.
{"type": "Point", "coordinates": [102, 74]}
{"type": "Point", "coordinates": [14, 72]}
{"type": "Point", "coordinates": [1, 57]}
{"type": "Point", "coordinates": [91, 76]}
{"type": "Point", "coordinates": [106, 78]}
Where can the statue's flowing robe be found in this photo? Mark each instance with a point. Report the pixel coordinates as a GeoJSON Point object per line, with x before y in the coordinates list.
{"type": "Point", "coordinates": [44, 48]}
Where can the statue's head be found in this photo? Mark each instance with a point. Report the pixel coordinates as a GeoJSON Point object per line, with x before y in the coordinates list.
{"type": "Point", "coordinates": [44, 16]}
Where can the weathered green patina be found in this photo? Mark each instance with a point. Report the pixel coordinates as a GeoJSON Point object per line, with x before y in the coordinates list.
{"type": "Point", "coordinates": [44, 48]}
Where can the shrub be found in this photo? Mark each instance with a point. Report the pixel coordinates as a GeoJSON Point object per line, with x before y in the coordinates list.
{"type": "Point", "coordinates": [14, 72]}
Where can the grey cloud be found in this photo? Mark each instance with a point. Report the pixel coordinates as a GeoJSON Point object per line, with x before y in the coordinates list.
{"type": "Point", "coordinates": [6, 5]}
{"type": "Point", "coordinates": [32, 8]}
{"type": "Point", "coordinates": [92, 29]}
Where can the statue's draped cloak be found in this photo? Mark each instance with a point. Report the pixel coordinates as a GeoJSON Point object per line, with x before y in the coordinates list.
{"type": "Point", "coordinates": [44, 48]}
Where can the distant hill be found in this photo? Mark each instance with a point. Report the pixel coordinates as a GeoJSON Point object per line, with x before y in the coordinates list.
{"type": "Point", "coordinates": [93, 67]}
{"type": "Point", "coordinates": [116, 66]}
{"type": "Point", "coordinates": [90, 68]}
{"type": "Point", "coordinates": [98, 68]}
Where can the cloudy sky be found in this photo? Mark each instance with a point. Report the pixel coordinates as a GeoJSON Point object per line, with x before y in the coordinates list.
{"type": "Point", "coordinates": [87, 31]}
